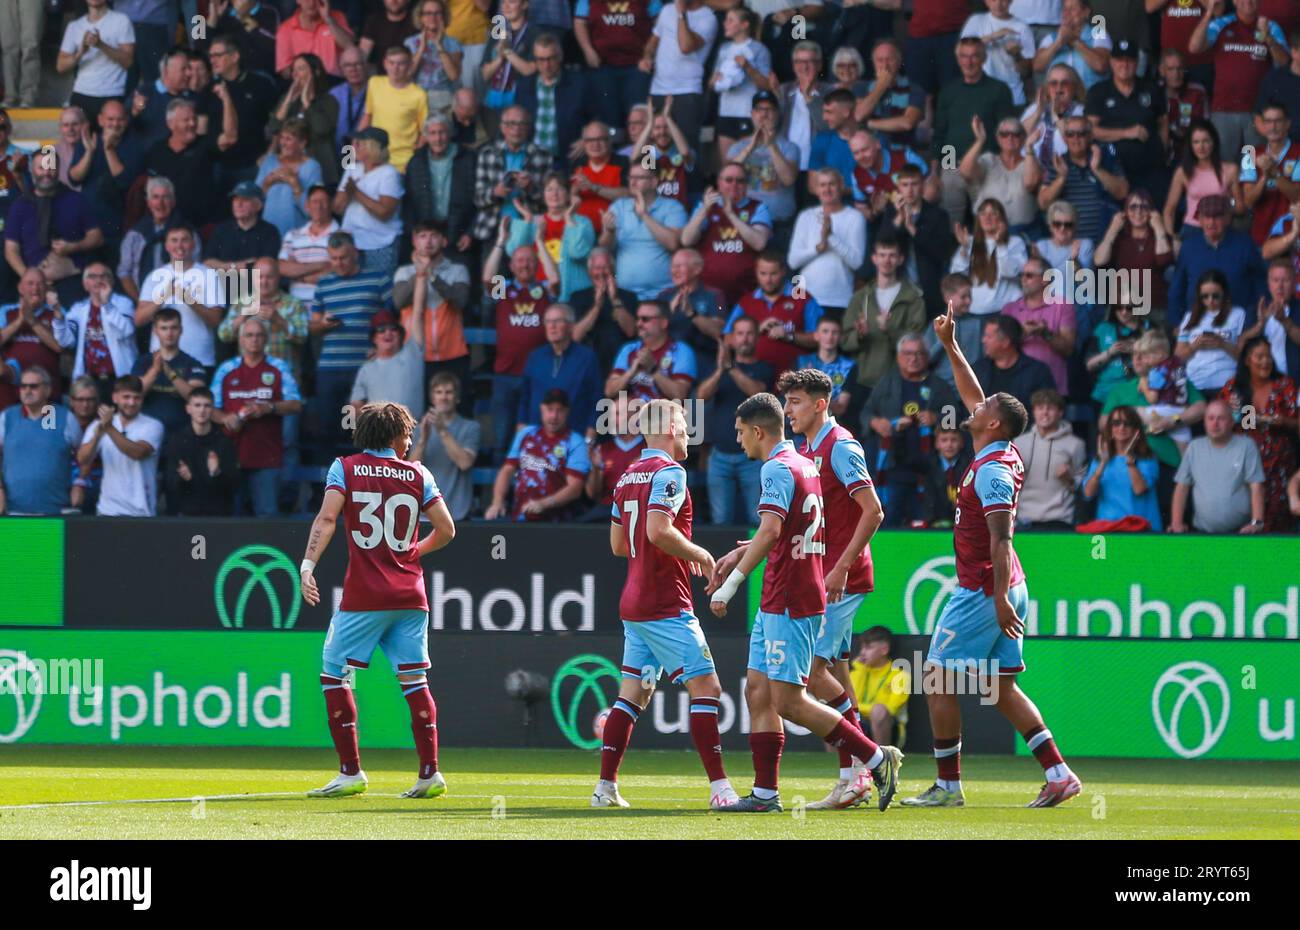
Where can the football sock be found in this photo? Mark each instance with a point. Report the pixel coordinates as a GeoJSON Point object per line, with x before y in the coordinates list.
{"type": "Point", "coordinates": [1040, 743]}
{"type": "Point", "coordinates": [947, 755]}
{"type": "Point", "coordinates": [844, 705]}
{"type": "Point", "coordinates": [766, 749]}
{"type": "Point", "coordinates": [617, 734]}
{"type": "Point", "coordinates": [342, 712]}
{"type": "Point", "coordinates": [424, 726]}
{"type": "Point", "coordinates": [704, 733]}
{"type": "Point", "coordinates": [847, 736]}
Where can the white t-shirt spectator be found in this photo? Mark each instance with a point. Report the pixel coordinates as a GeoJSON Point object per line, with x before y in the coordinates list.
{"type": "Point", "coordinates": [1211, 369]}
{"type": "Point", "coordinates": [368, 231]}
{"type": "Point", "coordinates": [676, 73]}
{"type": "Point", "coordinates": [828, 275]}
{"type": "Point", "coordinates": [1000, 63]}
{"type": "Point", "coordinates": [130, 486]}
{"type": "Point", "coordinates": [299, 245]}
{"type": "Point", "coordinates": [1037, 12]}
{"type": "Point", "coordinates": [97, 74]}
{"type": "Point", "coordinates": [735, 89]}
{"type": "Point", "coordinates": [197, 337]}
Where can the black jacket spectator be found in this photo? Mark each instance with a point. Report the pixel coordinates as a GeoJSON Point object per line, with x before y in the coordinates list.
{"type": "Point", "coordinates": [932, 248]}
{"type": "Point", "coordinates": [573, 108]}
{"type": "Point", "coordinates": [418, 202]}
{"type": "Point", "coordinates": [191, 174]}
{"type": "Point", "coordinates": [203, 495]}
{"type": "Point", "coordinates": [1025, 376]}
{"type": "Point", "coordinates": [230, 243]}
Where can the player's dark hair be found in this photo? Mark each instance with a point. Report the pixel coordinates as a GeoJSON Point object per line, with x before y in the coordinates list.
{"type": "Point", "coordinates": [811, 381]}
{"type": "Point", "coordinates": [772, 256]}
{"type": "Point", "coordinates": [380, 426]}
{"type": "Point", "coordinates": [128, 383]}
{"type": "Point", "coordinates": [744, 318]}
{"type": "Point", "coordinates": [200, 391]}
{"type": "Point", "coordinates": [1012, 414]}
{"type": "Point", "coordinates": [762, 410]}
{"type": "Point", "coordinates": [830, 318]}
{"type": "Point", "coordinates": [952, 283]}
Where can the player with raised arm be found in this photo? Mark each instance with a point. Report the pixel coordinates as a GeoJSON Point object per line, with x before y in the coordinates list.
{"type": "Point", "coordinates": [792, 537]}
{"type": "Point", "coordinates": [651, 526]}
{"type": "Point", "coordinates": [381, 497]}
{"type": "Point", "coordinates": [981, 628]}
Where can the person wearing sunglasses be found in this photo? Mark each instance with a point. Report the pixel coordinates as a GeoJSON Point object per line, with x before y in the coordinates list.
{"type": "Point", "coordinates": [1064, 250]}
{"type": "Point", "coordinates": [27, 333]}
{"type": "Point", "coordinates": [1207, 339]}
{"type": "Point", "coordinates": [1138, 242]}
{"type": "Point", "coordinates": [38, 437]}
{"type": "Point", "coordinates": [1008, 175]}
{"type": "Point", "coordinates": [1089, 176]}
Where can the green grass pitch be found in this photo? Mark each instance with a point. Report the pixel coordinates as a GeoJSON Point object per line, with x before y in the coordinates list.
{"type": "Point", "coordinates": [120, 792]}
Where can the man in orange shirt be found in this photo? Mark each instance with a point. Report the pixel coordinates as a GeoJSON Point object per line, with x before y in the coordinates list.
{"type": "Point", "coordinates": [314, 28]}
{"type": "Point", "coordinates": [447, 294]}
{"type": "Point", "coordinates": [598, 173]}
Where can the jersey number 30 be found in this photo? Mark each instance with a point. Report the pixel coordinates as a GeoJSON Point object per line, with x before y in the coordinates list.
{"type": "Point", "coordinates": [385, 531]}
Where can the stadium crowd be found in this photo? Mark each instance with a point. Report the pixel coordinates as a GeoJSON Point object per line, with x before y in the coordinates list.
{"type": "Point", "coordinates": [521, 218]}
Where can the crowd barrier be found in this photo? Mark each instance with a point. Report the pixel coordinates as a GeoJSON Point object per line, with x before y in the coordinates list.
{"type": "Point", "coordinates": [188, 632]}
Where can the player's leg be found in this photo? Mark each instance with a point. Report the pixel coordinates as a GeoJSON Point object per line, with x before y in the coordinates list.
{"type": "Point", "coordinates": [963, 641]}
{"type": "Point", "coordinates": [1061, 783]}
{"type": "Point", "coordinates": [640, 672]}
{"type": "Point", "coordinates": [405, 641]}
{"type": "Point", "coordinates": [829, 683]}
{"type": "Point", "coordinates": [679, 644]}
{"type": "Point", "coordinates": [349, 643]}
{"type": "Point", "coordinates": [766, 730]}
{"type": "Point", "coordinates": [945, 725]}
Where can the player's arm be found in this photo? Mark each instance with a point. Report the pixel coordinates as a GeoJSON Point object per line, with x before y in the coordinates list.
{"type": "Point", "coordinates": [444, 529]}
{"type": "Point", "coordinates": [660, 531]}
{"type": "Point", "coordinates": [618, 539]}
{"type": "Point", "coordinates": [1000, 528]}
{"type": "Point", "coordinates": [968, 386]}
{"type": "Point", "coordinates": [769, 531]}
{"type": "Point", "coordinates": [871, 515]}
{"type": "Point", "coordinates": [322, 531]}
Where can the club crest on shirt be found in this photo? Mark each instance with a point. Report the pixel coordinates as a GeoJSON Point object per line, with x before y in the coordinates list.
{"type": "Point", "coordinates": [535, 293]}
{"type": "Point", "coordinates": [967, 480]}
{"type": "Point", "coordinates": [268, 378]}
{"type": "Point", "coordinates": [560, 452]}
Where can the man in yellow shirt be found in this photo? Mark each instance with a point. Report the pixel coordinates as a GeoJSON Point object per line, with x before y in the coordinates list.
{"type": "Point", "coordinates": [397, 105]}
{"type": "Point", "coordinates": [882, 690]}
{"type": "Point", "coordinates": [468, 24]}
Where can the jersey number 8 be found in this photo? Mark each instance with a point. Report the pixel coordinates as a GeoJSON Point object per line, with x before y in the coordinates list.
{"type": "Point", "coordinates": [370, 502]}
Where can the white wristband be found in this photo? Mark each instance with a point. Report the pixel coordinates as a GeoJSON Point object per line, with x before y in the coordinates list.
{"type": "Point", "coordinates": [308, 565]}
{"type": "Point", "coordinates": [729, 587]}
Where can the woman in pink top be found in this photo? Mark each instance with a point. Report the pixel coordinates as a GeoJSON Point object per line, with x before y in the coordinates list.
{"type": "Point", "coordinates": [1202, 173]}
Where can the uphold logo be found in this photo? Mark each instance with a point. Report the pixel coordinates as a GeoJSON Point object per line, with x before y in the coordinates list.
{"type": "Point", "coordinates": [573, 684]}
{"type": "Point", "coordinates": [1204, 686]}
{"type": "Point", "coordinates": [260, 563]}
{"type": "Point", "coordinates": [927, 591]}
{"type": "Point", "coordinates": [23, 679]}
